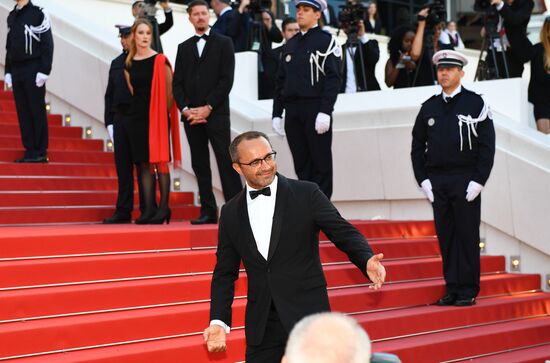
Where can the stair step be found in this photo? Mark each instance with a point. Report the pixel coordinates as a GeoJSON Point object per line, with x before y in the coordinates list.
{"type": "Point", "coordinates": [51, 183]}
{"type": "Point", "coordinates": [55, 143]}
{"type": "Point", "coordinates": [78, 214]}
{"type": "Point", "coordinates": [63, 156]}
{"type": "Point", "coordinates": [70, 299]}
{"type": "Point", "coordinates": [10, 117]}
{"type": "Point", "coordinates": [6, 95]}
{"type": "Point", "coordinates": [76, 198]}
{"type": "Point", "coordinates": [478, 340]}
{"type": "Point", "coordinates": [538, 354]}
{"type": "Point", "coordinates": [57, 169]}
{"type": "Point", "coordinates": [66, 333]}
{"type": "Point", "coordinates": [12, 129]}
{"type": "Point", "coordinates": [93, 268]}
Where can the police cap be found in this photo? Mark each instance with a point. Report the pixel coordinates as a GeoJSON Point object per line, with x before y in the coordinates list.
{"type": "Point", "coordinates": [449, 58]}
{"type": "Point", "coordinates": [319, 5]}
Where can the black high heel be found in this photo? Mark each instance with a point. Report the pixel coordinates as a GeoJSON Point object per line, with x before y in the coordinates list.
{"type": "Point", "coordinates": [146, 217]}
{"type": "Point", "coordinates": [161, 216]}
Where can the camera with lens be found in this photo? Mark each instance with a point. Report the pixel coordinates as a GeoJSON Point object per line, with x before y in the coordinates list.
{"type": "Point", "coordinates": [255, 7]}
{"type": "Point", "coordinates": [437, 14]}
{"type": "Point", "coordinates": [350, 16]}
{"type": "Point", "coordinates": [490, 13]}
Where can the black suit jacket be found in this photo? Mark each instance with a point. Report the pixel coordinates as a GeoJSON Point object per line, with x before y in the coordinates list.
{"type": "Point", "coordinates": [292, 276]}
{"type": "Point", "coordinates": [205, 80]}
{"type": "Point", "coordinates": [229, 24]}
{"type": "Point", "coordinates": [371, 55]}
{"type": "Point", "coordinates": [516, 17]}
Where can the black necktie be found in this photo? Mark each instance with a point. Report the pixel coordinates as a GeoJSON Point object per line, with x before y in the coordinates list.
{"type": "Point", "coordinates": [447, 99]}
{"type": "Point", "coordinates": [265, 191]}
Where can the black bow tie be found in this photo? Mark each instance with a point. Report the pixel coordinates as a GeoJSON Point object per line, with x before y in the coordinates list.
{"type": "Point", "coordinates": [197, 37]}
{"type": "Point", "coordinates": [265, 191]}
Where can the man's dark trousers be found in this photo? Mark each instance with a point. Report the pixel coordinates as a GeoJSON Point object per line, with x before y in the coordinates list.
{"type": "Point", "coordinates": [31, 109]}
{"type": "Point", "coordinates": [217, 130]}
{"type": "Point", "coordinates": [311, 152]}
{"type": "Point", "coordinates": [457, 225]}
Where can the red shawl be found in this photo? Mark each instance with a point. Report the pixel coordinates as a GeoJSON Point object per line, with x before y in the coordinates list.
{"type": "Point", "coordinates": [159, 143]}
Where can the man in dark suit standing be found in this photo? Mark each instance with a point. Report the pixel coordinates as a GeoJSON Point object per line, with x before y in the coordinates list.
{"type": "Point", "coordinates": [203, 78]}
{"type": "Point", "coordinates": [360, 55]}
{"type": "Point", "coordinates": [228, 22]}
{"type": "Point", "coordinates": [273, 227]}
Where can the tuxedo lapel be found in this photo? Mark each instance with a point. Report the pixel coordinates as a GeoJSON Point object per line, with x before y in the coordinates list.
{"type": "Point", "coordinates": [283, 195]}
{"type": "Point", "coordinates": [245, 233]}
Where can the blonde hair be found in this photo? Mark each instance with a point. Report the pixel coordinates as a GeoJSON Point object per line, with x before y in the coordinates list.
{"type": "Point", "coordinates": [133, 49]}
{"type": "Point", "coordinates": [545, 40]}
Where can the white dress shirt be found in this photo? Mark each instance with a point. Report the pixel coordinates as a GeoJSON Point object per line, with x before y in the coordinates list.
{"type": "Point", "coordinates": [260, 215]}
{"type": "Point", "coordinates": [351, 85]}
{"type": "Point", "coordinates": [201, 43]}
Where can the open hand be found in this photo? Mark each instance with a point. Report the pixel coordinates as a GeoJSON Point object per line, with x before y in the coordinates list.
{"type": "Point", "coordinates": [376, 271]}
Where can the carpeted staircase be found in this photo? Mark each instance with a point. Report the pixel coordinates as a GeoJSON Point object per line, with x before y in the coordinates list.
{"type": "Point", "coordinates": [126, 293]}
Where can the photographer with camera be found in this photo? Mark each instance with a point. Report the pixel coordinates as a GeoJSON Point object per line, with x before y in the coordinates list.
{"type": "Point", "coordinates": [400, 67]}
{"type": "Point", "coordinates": [506, 29]}
{"type": "Point", "coordinates": [147, 9]}
{"type": "Point", "coordinates": [360, 55]}
{"type": "Point", "coordinates": [426, 43]}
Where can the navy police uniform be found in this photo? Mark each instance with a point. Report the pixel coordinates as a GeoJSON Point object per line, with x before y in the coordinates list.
{"type": "Point", "coordinates": [308, 81]}
{"type": "Point", "coordinates": [29, 54]}
{"type": "Point", "coordinates": [453, 145]}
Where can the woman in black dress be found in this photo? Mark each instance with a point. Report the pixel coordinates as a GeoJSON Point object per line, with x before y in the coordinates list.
{"type": "Point", "coordinates": [539, 84]}
{"type": "Point", "coordinates": [373, 24]}
{"type": "Point", "coordinates": [148, 133]}
{"type": "Point", "coordinates": [400, 67]}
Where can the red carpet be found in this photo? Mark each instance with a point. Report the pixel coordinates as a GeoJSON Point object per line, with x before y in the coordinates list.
{"type": "Point", "coordinates": [127, 293]}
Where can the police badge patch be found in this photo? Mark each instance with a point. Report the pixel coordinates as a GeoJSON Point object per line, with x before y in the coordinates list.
{"type": "Point", "coordinates": [288, 58]}
{"type": "Point", "coordinates": [431, 122]}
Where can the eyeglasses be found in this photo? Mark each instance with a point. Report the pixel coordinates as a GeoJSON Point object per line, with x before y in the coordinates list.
{"type": "Point", "coordinates": [268, 159]}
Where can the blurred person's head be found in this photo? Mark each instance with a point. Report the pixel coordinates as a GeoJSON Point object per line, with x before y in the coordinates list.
{"type": "Point", "coordinates": [125, 35]}
{"type": "Point", "coordinates": [254, 158]}
{"type": "Point", "coordinates": [290, 28]}
{"type": "Point", "coordinates": [218, 6]}
{"type": "Point", "coordinates": [198, 15]}
{"type": "Point", "coordinates": [372, 10]}
{"type": "Point", "coordinates": [140, 39]}
{"type": "Point", "coordinates": [137, 9]}
{"type": "Point", "coordinates": [400, 42]}
{"type": "Point", "coordinates": [451, 26]}
{"type": "Point", "coordinates": [327, 338]}
{"type": "Point", "coordinates": [545, 40]}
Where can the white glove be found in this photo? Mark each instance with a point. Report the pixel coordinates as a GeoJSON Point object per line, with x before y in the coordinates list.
{"type": "Point", "coordinates": [427, 187]}
{"type": "Point", "coordinates": [473, 190]}
{"type": "Point", "coordinates": [110, 130]}
{"type": "Point", "coordinates": [322, 123]}
{"type": "Point", "coordinates": [8, 80]}
{"type": "Point", "coordinates": [41, 79]}
{"type": "Point", "coordinates": [278, 125]}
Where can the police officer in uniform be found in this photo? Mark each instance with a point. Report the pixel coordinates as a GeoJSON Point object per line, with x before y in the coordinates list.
{"type": "Point", "coordinates": [306, 88]}
{"type": "Point", "coordinates": [117, 103]}
{"type": "Point", "coordinates": [453, 148]}
{"type": "Point", "coordinates": [29, 53]}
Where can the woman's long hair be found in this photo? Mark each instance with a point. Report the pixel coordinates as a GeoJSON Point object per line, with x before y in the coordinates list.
{"type": "Point", "coordinates": [544, 39]}
{"type": "Point", "coordinates": [396, 40]}
{"type": "Point", "coordinates": [133, 49]}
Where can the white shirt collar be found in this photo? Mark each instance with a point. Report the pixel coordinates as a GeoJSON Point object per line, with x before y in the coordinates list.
{"type": "Point", "coordinates": [225, 10]}
{"type": "Point", "coordinates": [455, 92]}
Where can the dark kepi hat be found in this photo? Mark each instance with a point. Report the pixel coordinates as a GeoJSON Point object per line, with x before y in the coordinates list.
{"type": "Point", "coordinates": [123, 30]}
{"type": "Point", "coordinates": [319, 5]}
{"type": "Point", "coordinates": [449, 58]}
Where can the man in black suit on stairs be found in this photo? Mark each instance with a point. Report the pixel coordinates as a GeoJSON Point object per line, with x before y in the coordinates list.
{"type": "Point", "coordinates": [273, 227]}
{"type": "Point", "coordinates": [203, 78]}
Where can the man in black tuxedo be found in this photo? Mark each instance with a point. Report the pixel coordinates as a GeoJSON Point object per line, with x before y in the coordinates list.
{"type": "Point", "coordinates": [360, 54]}
{"type": "Point", "coordinates": [273, 227]}
{"type": "Point", "coordinates": [203, 78]}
